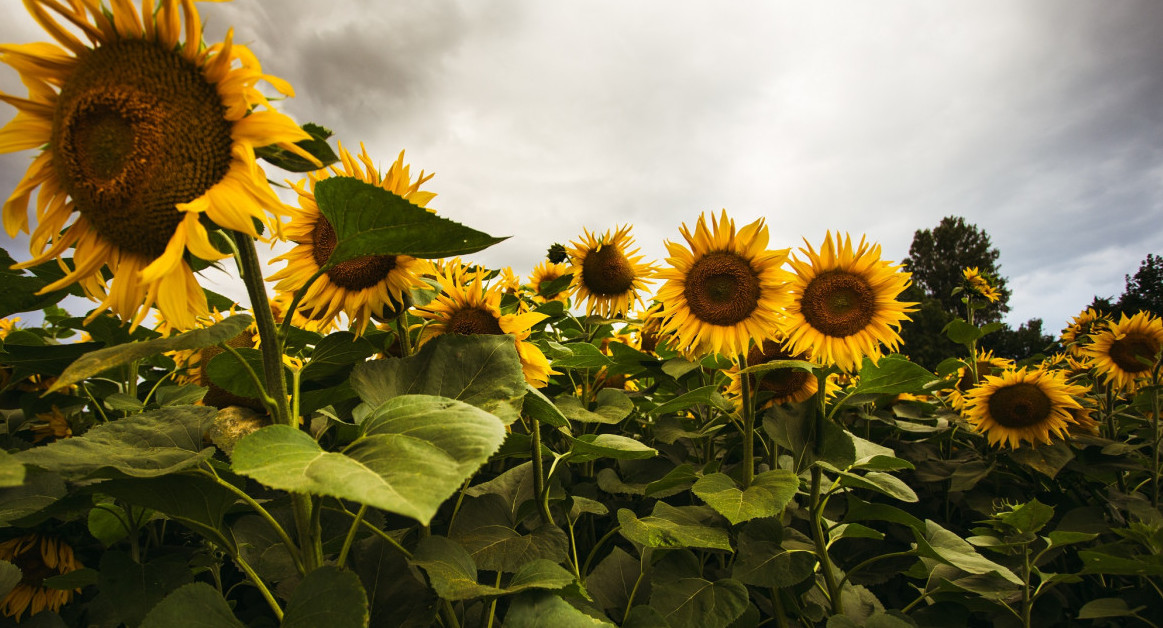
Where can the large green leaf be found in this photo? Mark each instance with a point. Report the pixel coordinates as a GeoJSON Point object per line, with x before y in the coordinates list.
{"type": "Point", "coordinates": [772, 556]}
{"type": "Point", "coordinates": [453, 573]}
{"type": "Point", "coordinates": [610, 406]}
{"type": "Point", "coordinates": [398, 595]}
{"type": "Point", "coordinates": [891, 376]}
{"type": "Point", "coordinates": [485, 526]}
{"type": "Point", "coordinates": [196, 605]}
{"type": "Point", "coordinates": [943, 545]}
{"type": "Point", "coordinates": [328, 596]}
{"type": "Point", "coordinates": [615, 578]}
{"type": "Point", "coordinates": [880, 482]}
{"type": "Point", "coordinates": [42, 358]}
{"type": "Point", "coordinates": [769, 492]}
{"type": "Point", "coordinates": [151, 444]}
{"type": "Point", "coordinates": [369, 220]}
{"type": "Point", "coordinates": [11, 470]}
{"type": "Point", "coordinates": [335, 353]}
{"type": "Point", "coordinates": [538, 609]}
{"type": "Point", "coordinates": [196, 501]}
{"type": "Point", "coordinates": [801, 430]}
{"type": "Point", "coordinates": [18, 292]}
{"type": "Point", "coordinates": [670, 526]}
{"type": "Point", "coordinates": [129, 590]}
{"type": "Point", "coordinates": [483, 371]}
{"type": "Point", "coordinates": [708, 395]}
{"type": "Point", "coordinates": [416, 453]}
{"type": "Point", "coordinates": [110, 357]}
{"type": "Point", "coordinates": [542, 408]}
{"type": "Point", "coordinates": [39, 490]}
{"type": "Point", "coordinates": [593, 446]}
{"type": "Point", "coordinates": [699, 603]}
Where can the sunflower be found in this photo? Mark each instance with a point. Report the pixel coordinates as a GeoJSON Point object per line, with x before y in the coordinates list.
{"type": "Point", "coordinates": [466, 306]}
{"type": "Point", "coordinates": [38, 557]}
{"type": "Point", "coordinates": [148, 141]}
{"type": "Point", "coordinates": [1124, 351]}
{"type": "Point", "coordinates": [978, 284]}
{"type": "Point", "coordinates": [987, 364]}
{"type": "Point", "coordinates": [725, 291]}
{"type": "Point", "coordinates": [607, 272]}
{"type": "Point", "coordinates": [8, 325]}
{"type": "Point", "coordinates": [1077, 333]}
{"type": "Point", "coordinates": [779, 386]}
{"type": "Point", "coordinates": [1025, 405]}
{"type": "Point", "coordinates": [544, 274]}
{"type": "Point", "coordinates": [650, 330]}
{"type": "Point", "coordinates": [360, 287]}
{"type": "Point", "coordinates": [51, 426]}
{"type": "Point", "coordinates": [844, 303]}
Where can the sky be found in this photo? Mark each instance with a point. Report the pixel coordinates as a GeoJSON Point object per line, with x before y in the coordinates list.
{"type": "Point", "coordinates": [1040, 121]}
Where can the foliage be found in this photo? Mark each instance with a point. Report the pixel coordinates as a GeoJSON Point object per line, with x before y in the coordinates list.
{"type": "Point", "coordinates": [938, 255]}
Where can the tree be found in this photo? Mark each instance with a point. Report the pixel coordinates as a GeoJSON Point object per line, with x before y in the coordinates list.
{"type": "Point", "coordinates": [1018, 344]}
{"type": "Point", "coordinates": [937, 257]}
{"type": "Point", "coordinates": [1144, 291]}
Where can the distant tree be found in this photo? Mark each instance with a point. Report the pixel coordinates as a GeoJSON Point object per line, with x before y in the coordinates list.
{"type": "Point", "coordinates": [1026, 341]}
{"type": "Point", "coordinates": [923, 341]}
{"type": "Point", "coordinates": [1144, 290]}
{"type": "Point", "coordinates": [937, 257]}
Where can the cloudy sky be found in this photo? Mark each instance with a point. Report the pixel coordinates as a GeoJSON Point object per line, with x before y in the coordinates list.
{"type": "Point", "coordinates": [1040, 121]}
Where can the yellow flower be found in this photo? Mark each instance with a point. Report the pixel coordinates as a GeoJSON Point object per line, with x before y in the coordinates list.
{"type": "Point", "coordinates": [1077, 333]}
{"type": "Point", "coordinates": [362, 287]}
{"type": "Point", "coordinates": [147, 140]}
{"type": "Point", "coordinates": [39, 557]}
{"type": "Point", "coordinates": [608, 273]}
{"type": "Point", "coordinates": [987, 364]}
{"type": "Point", "coordinates": [466, 306]}
{"type": "Point", "coordinates": [1024, 405]}
{"type": "Point", "coordinates": [844, 303]}
{"type": "Point", "coordinates": [8, 325]}
{"type": "Point", "coordinates": [724, 292]}
{"type": "Point", "coordinates": [544, 274]}
{"type": "Point", "coordinates": [978, 284]}
{"type": "Point", "coordinates": [51, 426]}
{"type": "Point", "coordinates": [778, 386]}
{"type": "Point", "coordinates": [1124, 351]}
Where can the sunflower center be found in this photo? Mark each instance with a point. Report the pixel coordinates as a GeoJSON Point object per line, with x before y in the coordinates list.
{"type": "Point", "coordinates": [779, 382]}
{"type": "Point", "coordinates": [721, 289]}
{"type": "Point", "coordinates": [1129, 352]}
{"type": "Point", "coordinates": [354, 274]}
{"type": "Point", "coordinates": [474, 320]}
{"type": "Point", "coordinates": [838, 303]}
{"type": "Point", "coordinates": [137, 130]}
{"type": "Point", "coordinates": [32, 566]}
{"type": "Point", "coordinates": [1019, 405]}
{"type": "Point", "coordinates": [607, 272]}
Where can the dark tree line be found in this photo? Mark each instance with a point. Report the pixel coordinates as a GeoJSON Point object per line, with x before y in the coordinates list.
{"type": "Point", "coordinates": [1144, 291]}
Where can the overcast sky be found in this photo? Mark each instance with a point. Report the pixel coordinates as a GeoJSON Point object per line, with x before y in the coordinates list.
{"type": "Point", "coordinates": [1039, 121]}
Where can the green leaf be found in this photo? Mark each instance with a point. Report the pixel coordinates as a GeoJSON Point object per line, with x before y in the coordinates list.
{"type": "Point", "coordinates": [11, 470]}
{"type": "Point", "coordinates": [416, 452]}
{"type": "Point", "coordinates": [369, 220]}
{"type": "Point", "coordinates": [675, 481]}
{"type": "Point", "coordinates": [226, 372]}
{"type": "Point", "coordinates": [75, 579]}
{"type": "Point", "coordinates": [699, 603]}
{"type": "Point", "coordinates": [881, 483]}
{"type": "Point", "coordinates": [1099, 562]}
{"type": "Point", "coordinates": [612, 405]}
{"type": "Point", "coordinates": [593, 446]}
{"type": "Point", "coordinates": [768, 494]}
{"type": "Point", "coordinates": [540, 407]}
{"type": "Point", "coordinates": [614, 578]}
{"type": "Point", "coordinates": [668, 526]}
{"type": "Point", "coordinates": [10, 576]}
{"type": "Point", "coordinates": [328, 596]}
{"type": "Point", "coordinates": [317, 147]}
{"type": "Point", "coordinates": [1029, 517]}
{"type": "Point", "coordinates": [1045, 459]}
{"type": "Point", "coordinates": [794, 427]}
{"type": "Point", "coordinates": [453, 574]}
{"type": "Point", "coordinates": [583, 355]}
{"type": "Point", "coordinates": [708, 395]}
{"type": "Point", "coordinates": [1107, 607]}
{"type": "Point", "coordinates": [483, 371]}
{"type": "Point", "coordinates": [537, 609]}
{"type": "Point", "coordinates": [1058, 538]}
{"type": "Point", "coordinates": [41, 358]}
{"type": "Point", "coordinates": [485, 526]}
{"type": "Point", "coordinates": [163, 441]}
{"type": "Point", "coordinates": [335, 353]}
{"type": "Point", "coordinates": [194, 500]}
{"type": "Point", "coordinates": [399, 595]}
{"type": "Point", "coordinates": [40, 490]}
{"type": "Point", "coordinates": [130, 590]}
{"type": "Point", "coordinates": [860, 510]}
{"type": "Point", "coordinates": [772, 556]}
{"type": "Point", "coordinates": [891, 376]}
{"type": "Point", "coordinates": [758, 370]}
{"type": "Point", "coordinates": [101, 360]}
{"type": "Point", "coordinates": [197, 605]}
{"type": "Point", "coordinates": [938, 543]}
{"type": "Point", "coordinates": [18, 292]}
{"type": "Point", "coordinates": [961, 332]}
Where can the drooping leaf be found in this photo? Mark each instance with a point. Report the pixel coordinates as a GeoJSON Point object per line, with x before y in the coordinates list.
{"type": "Point", "coordinates": [43, 358]}
{"type": "Point", "coordinates": [226, 371]}
{"type": "Point", "coordinates": [328, 596]}
{"type": "Point", "coordinates": [772, 556]}
{"type": "Point", "coordinates": [483, 371]}
{"type": "Point", "coordinates": [399, 597]}
{"type": "Point", "coordinates": [1107, 607]}
{"type": "Point", "coordinates": [708, 395]}
{"type": "Point", "coordinates": [582, 355]}
{"type": "Point", "coordinates": [943, 545]}
{"type": "Point", "coordinates": [769, 492]}
{"type": "Point", "coordinates": [453, 574]}
{"type": "Point", "coordinates": [155, 443]}
{"type": "Point", "coordinates": [369, 220]}
{"type": "Point", "coordinates": [129, 590]}
{"type": "Point", "coordinates": [335, 354]}
{"type": "Point", "coordinates": [615, 577]}
{"type": "Point", "coordinates": [699, 603]}
{"type": "Point", "coordinates": [542, 408]}
{"type": "Point", "coordinates": [39, 490]}
{"type": "Point", "coordinates": [194, 500]}
{"type": "Point", "coordinates": [594, 446]}
{"type": "Point", "coordinates": [670, 526]}
{"type": "Point", "coordinates": [537, 609]}
{"type": "Point", "coordinates": [611, 406]}
{"type": "Point", "coordinates": [11, 471]}
{"type": "Point", "coordinates": [800, 429]}
{"type": "Point", "coordinates": [18, 291]}
{"type": "Point", "coordinates": [316, 146]}
{"type": "Point", "coordinates": [485, 526]}
{"type": "Point", "coordinates": [95, 362]}
{"type": "Point", "coordinates": [883, 483]}
{"type": "Point", "coordinates": [197, 605]}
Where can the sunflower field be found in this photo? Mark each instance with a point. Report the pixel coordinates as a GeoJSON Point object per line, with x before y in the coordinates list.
{"type": "Point", "coordinates": [389, 434]}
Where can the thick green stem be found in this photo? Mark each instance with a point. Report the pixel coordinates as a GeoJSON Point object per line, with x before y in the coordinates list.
{"type": "Point", "coordinates": [257, 581]}
{"type": "Point", "coordinates": [816, 509]}
{"type": "Point", "coordinates": [539, 472]}
{"type": "Point", "coordinates": [292, 549]}
{"type": "Point", "coordinates": [748, 423]}
{"type": "Point", "coordinates": [1155, 433]}
{"type": "Point", "coordinates": [347, 541]}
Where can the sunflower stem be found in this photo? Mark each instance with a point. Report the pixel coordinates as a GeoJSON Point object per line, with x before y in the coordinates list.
{"type": "Point", "coordinates": [539, 472]}
{"type": "Point", "coordinates": [748, 423]}
{"type": "Point", "coordinates": [1155, 432]}
{"type": "Point", "coordinates": [815, 507]}
{"type": "Point", "coordinates": [404, 334]}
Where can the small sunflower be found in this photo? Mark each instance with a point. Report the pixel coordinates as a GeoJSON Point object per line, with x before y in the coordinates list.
{"type": "Point", "coordinates": [1024, 405]}
{"type": "Point", "coordinates": [608, 273]}
{"type": "Point", "coordinates": [844, 303]}
{"type": "Point", "coordinates": [987, 364]}
{"type": "Point", "coordinates": [8, 325]}
{"type": "Point", "coordinates": [779, 386]}
{"type": "Point", "coordinates": [466, 306]}
{"type": "Point", "coordinates": [1077, 333]}
{"type": "Point", "coordinates": [362, 287]}
{"type": "Point", "coordinates": [977, 284]}
{"type": "Point", "coordinates": [544, 274]}
{"type": "Point", "coordinates": [724, 292]}
{"type": "Point", "coordinates": [1124, 351]}
{"type": "Point", "coordinates": [147, 142]}
{"type": "Point", "coordinates": [38, 557]}
{"type": "Point", "coordinates": [650, 330]}
{"type": "Point", "coordinates": [51, 426]}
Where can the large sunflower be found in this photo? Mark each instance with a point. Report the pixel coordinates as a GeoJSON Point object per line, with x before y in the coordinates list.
{"type": "Point", "coordinates": [844, 303]}
{"type": "Point", "coordinates": [725, 291]}
{"type": "Point", "coordinates": [608, 273]}
{"type": "Point", "coordinates": [1024, 405]}
{"type": "Point", "coordinates": [778, 386]}
{"type": "Point", "coordinates": [38, 557]}
{"type": "Point", "coordinates": [1124, 351]}
{"type": "Point", "coordinates": [360, 287]}
{"type": "Point", "coordinates": [148, 141]}
{"type": "Point", "coordinates": [466, 306]}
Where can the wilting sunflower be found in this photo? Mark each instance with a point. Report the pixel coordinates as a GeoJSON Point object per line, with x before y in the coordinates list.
{"type": "Point", "coordinates": [38, 557]}
{"type": "Point", "coordinates": [360, 287]}
{"type": "Point", "coordinates": [51, 426]}
{"type": "Point", "coordinates": [466, 307]}
{"type": "Point", "coordinates": [1124, 351]}
{"type": "Point", "coordinates": [544, 274]}
{"type": "Point", "coordinates": [778, 386]}
{"type": "Point", "coordinates": [725, 291]}
{"type": "Point", "coordinates": [1024, 405]}
{"type": "Point", "coordinates": [148, 141]}
{"type": "Point", "coordinates": [1077, 333]}
{"type": "Point", "coordinates": [987, 364]}
{"type": "Point", "coordinates": [844, 303]}
{"type": "Point", "coordinates": [650, 330]}
{"type": "Point", "coordinates": [608, 273]}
